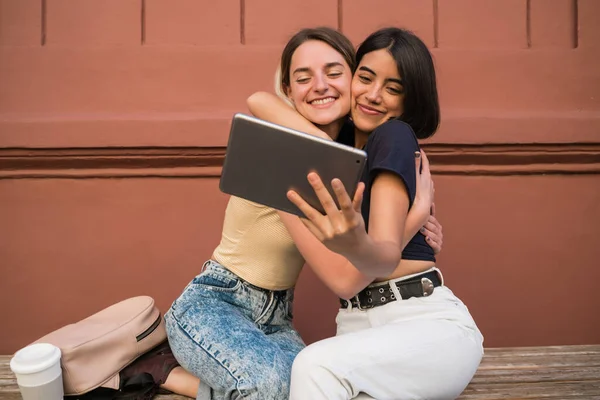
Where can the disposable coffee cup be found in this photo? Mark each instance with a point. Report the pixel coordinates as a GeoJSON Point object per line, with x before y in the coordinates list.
{"type": "Point", "coordinates": [38, 372]}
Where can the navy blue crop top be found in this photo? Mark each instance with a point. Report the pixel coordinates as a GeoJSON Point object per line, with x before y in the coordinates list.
{"type": "Point", "coordinates": [391, 147]}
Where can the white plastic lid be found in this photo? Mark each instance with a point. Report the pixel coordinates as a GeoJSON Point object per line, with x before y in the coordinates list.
{"type": "Point", "coordinates": [35, 358]}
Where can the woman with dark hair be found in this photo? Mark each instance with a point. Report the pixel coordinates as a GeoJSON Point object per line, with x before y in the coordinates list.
{"type": "Point", "coordinates": [232, 325]}
{"type": "Point", "coordinates": [401, 333]}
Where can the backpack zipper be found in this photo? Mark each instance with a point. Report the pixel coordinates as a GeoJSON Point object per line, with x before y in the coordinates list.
{"type": "Point", "coordinates": [148, 331]}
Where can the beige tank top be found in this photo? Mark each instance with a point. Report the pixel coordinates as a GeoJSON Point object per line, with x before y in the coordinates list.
{"type": "Point", "coordinates": [256, 246]}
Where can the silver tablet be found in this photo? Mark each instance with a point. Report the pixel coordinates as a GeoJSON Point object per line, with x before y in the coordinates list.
{"type": "Point", "coordinates": [265, 160]}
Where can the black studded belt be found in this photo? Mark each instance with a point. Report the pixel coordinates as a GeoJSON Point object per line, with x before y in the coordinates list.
{"type": "Point", "coordinates": [382, 293]}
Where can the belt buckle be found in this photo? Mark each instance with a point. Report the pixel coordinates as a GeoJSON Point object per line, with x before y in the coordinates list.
{"type": "Point", "coordinates": [427, 286]}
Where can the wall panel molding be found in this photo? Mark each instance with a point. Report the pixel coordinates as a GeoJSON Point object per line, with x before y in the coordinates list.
{"type": "Point", "coordinates": [201, 162]}
{"type": "Point", "coordinates": [515, 159]}
{"type": "Point", "coordinates": [211, 129]}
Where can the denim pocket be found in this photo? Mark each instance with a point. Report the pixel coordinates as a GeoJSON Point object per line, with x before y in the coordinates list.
{"type": "Point", "coordinates": [214, 281]}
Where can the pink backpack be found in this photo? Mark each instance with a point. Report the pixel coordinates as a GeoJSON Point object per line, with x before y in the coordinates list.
{"type": "Point", "coordinates": [96, 349]}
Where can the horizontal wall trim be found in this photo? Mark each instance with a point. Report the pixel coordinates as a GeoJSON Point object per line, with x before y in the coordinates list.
{"type": "Point", "coordinates": [211, 129]}
{"type": "Point", "coordinates": [198, 162]}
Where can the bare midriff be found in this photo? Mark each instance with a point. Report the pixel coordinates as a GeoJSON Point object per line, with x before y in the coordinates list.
{"type": "Point", "coordinates": [408, 267]}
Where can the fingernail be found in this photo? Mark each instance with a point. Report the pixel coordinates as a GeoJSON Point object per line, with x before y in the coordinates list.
{"type": "Point", "coordinates": [312, 177]}
{"type": "Point", "coordinates": [429, 240]}
{"type": "Point", "coordinates": [422, 230]}
{"type": "Point", "coordinates": [417, 154]}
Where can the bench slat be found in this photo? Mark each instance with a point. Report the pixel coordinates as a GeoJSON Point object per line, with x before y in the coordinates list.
{"type": "Point", "coordinates": [15, 396]}
{"type": "Point", "coordinates": [537, 375]}
{"type": "Point", "coordinates": [553, 350]}
{"type": "Point", "coordinates": [566, 349]}
{"type": "Point", "coordinates": [545, 360]}
{"type": "Point", "coordinates": [587, 390]}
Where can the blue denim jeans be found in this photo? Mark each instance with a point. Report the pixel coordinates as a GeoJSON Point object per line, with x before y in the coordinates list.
{"type": "Point", "coordinates": [237, 338]}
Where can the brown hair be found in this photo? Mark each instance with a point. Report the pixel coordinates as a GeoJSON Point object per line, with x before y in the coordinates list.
{"type": "Point", "coordinates": [333, 38]}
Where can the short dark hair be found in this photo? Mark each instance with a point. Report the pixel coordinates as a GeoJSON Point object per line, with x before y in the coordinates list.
{"type": "Point", "coordinates": [415, 66]}
{"type": "Point", "coordinates": [333, 38]}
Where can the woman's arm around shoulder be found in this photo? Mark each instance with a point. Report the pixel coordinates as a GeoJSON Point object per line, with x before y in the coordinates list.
{"type": "Point", "coordinates": [420, 216]}
{"type": "Point", "coordinates": [270, 107]}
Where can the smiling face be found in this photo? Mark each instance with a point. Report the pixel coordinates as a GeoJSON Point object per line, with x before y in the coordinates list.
{"type": "Point", "coordinates": [377, 92]}
{"type": "Point", "coordinates": [320, 81]}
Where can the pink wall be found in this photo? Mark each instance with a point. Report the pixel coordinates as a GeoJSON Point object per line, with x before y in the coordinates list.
{"type": "Point", "coordinates": [114, 116]}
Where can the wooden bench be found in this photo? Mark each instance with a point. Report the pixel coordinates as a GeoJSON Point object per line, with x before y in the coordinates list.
{"type": "Point", "coordinates": [555, 372]}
